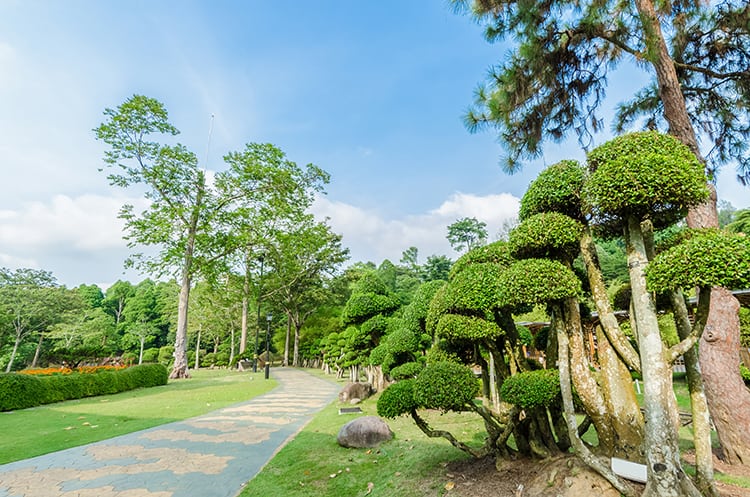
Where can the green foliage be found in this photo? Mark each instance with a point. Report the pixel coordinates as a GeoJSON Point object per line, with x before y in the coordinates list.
{"type": "Point", "coordinates": [537, 281]}
{"type": "Point", "coordinates": [402, 340]}
{"type": "Point", "coordinates": [745, 373]}
{"type": "Point", "coordinates": [668, 329]}
{"type": "Point", "coordinates": [532, 389]}
{"type": "Point", "coordinates": [707, 257]}
{"type": "Point", "coordinates": [19, 391]}
{"type": "Point", "coordinates": [556, 189]}
{"type": "Point", "coordinates": [436, 267]}
{"type": "Point", "coordinates": [524, 335]}
{"type": "Point", "coordinates": [496, 252]}
{"type": "Point", "coordinates": [151, 355]}
{"type": "Point", "coordinates": [467, 233]}
{"type": "Point", "coordinates": [363, 305]}
{"type": "Point", "coordinates": [406, 370]}
{"type": "Point", "coordinates": [166, 355]}
{"type": "Point", "coordinates": [459, 327]}
{"type": "Point", "coordinates": [541, 339]}
{"type": "Point", "coordinates": [397, 399]}
{"type": "Point", "coordinates": [415, 314]}
{"type": "Point", "coordinates": [645, 175]}
{"type": "Point", "coordinates": [475, 288]}
{"type": "Point", "coordinates": [546, 235]}
{"type": "Point", "coordinates": [446, 386]}
{"type": "Point", "coordinates": [745, 327]}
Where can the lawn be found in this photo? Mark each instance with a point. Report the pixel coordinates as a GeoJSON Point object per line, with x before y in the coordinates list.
{"type": "Point", "coordinates": [411, 465]}
{"type": "Point", "coordinates": [40, 430]}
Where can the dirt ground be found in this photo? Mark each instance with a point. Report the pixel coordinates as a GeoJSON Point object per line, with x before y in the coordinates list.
{"type": "Point", "coordinates": [561, 476]}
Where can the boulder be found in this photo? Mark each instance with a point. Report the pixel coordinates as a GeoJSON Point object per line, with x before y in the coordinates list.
{"type": "Point", "coordinates": [367, 431]}
{"type": "Point", "coordinates": [357, 390]}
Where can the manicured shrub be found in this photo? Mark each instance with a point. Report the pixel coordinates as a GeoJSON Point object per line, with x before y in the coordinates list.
{"type": "Point", "coordinates": [537, 281]}
{"type": "Point", "coordinates": [532, 389]}
{"type": "Point", "coordinates": [745, 372]}
{"type": "Point", "coordinates": [20, 391]}
{"type": "Point", "coordinates": [406, 370]}
{"type": "Point", "coordinates": [397, 399]}
{"type": "Point", "coordinates": [556, 189]}
{"type": "Point", "coordinates": [166, 355]}
{"type": "Point", "coordinates": [447, 386]}
{"type": "Point", "coordinates": [493, 253]}
{"type": "Point", "coordinates": [458, 327]}
{"type": "Point", "coordinates": [151, 355]}
{"type": "Point", "coordinates": [546, 235]}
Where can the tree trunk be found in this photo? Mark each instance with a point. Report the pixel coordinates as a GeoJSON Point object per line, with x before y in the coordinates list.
{"type": "Point", "coordinates": [287, 339]}
{"type": "Point", "coordinates": [13, 353]}
{"type": "Point", "coordinates": [38, 350]}
{"type": "Point", "coordinates": [140, 352]}
{"type": "Point", "coordinates": [729, 399]}
{"type": "Point", "coordinates": [295, 355]}
{"type": "Point", "coordinates": [245, 305]}
{"type": "Point", "coordinates": [665, 475]}
{"type": "Point", "coordinates": [180, 367]}
{"type": "Point", "coordinates": [719, 365]}
{"type": "Point", "coordinates": [197, 350]}
{"type": "Point", "coordinates": [704, 462]}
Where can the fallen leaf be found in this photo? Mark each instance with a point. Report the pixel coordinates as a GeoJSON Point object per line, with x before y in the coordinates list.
{"type": "Point", "coordinates": [86, 423]}
{"type": "Point", "coordinates": [70, 427]}
{"type": "Point", "coordinates": [370, 486]}
{"type": "Point", "coordinates": [332, 475]}
{"type": "Point", "coordinates": [449, 485]}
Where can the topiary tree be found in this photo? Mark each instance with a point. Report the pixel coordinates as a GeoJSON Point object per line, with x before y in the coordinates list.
{"type": "Point", "coordinates": [366, 311]}
{"type": "Point", "coordinates": [653, 179]}
{"type": "Point", "coordinates": [445, 386]}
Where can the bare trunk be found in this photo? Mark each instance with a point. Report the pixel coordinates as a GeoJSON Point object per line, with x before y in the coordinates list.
{"type": "Point", "coordinates": [704, 462]}
{"type": "Point", "coordinates": [665, 475]}
{"type": "Point", "coordinates": [245, 305]}
{"type": "Point", "coordinates": [180, 367]}
{"type": "Point", "coordinates": [621, 402]}
{"type": "Point", "coordinates": [231, 346]}
{"type": "Point", "coordinates": [38, 350]}
{"type": "Point", "coordinates": [566, 391]}
{"type": "Point", "coordinates": [295, 355]}
{"type": "Point", "coordinates": [196, 364]}
{"type": "Point", "coordinates": [728, 397]}
{"type": "Point", "coordinates": [583, 379]}
{"type": "Point", "coordinates": [287, 340]}
{"type": "Point", "coordinates": [140, 352]}
{"type": "Point", "coordinates": [13, 353]}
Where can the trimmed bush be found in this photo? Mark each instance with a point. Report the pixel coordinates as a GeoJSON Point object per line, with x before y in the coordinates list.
{"type": "Point", "coordinates": [537, 281]}
{"type": "Point", "coordinates": [447, 386]}
{"type": "Point", "coordinates": [458, 327]}
{"type": "Point", "coordinates": [20, 391]}
{"type": "Point", "coordinates": [407, 370]}
{"type": "Point", "coordinates": [397, 400]}
{"type": "Point", "coordinates": [556, 189]}
{"type": "Point", "coordinates": [532, 389]}
{"type": "Point", "coordinates": [745, 372]}
{"type": "Point", "coordinates": [546, 235]}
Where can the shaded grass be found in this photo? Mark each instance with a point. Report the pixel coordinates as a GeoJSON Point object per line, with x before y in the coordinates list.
{"type": "Point", "coordinates": [410, 465]}
{"type": "Point", "coordinates": [44, 429]}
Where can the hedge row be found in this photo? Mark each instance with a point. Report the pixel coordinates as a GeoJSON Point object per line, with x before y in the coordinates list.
{"type": "Point", "coordinates": [19, 391]}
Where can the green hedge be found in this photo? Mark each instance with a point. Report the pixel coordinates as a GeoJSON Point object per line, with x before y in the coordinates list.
{"type": "Point", "coordinates": [20, 391]}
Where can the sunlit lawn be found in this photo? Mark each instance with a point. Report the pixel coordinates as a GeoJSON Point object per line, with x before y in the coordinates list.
{"type": "Point", "coordinates": [40, 430]}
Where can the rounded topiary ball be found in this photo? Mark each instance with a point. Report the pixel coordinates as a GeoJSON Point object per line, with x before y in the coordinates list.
{"type": "Point", "coordinates": [397, 399]}
{"type": "Point", "coordinates": [556, 189]}
{"type": "Point", "coordinates": [495, 252]}
{"type": "Point", "coordinates": [459, 327]}
{"type": "Point", "coordinates": [475, 287]}
{"type": "Point", "coordinates": [532, 389]}
{"type": "Point", "coordinates": [645, 175]}
{"type": "Point", "coordinates": [537, 281]}
{"type": "Point", "coordinates": [706, 258]}
{"type": "Point", "coordinates": [546, 235]}
{"type": "Point", "coordinates": [447, 386]}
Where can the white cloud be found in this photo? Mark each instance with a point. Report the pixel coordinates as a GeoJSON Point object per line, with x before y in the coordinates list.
{"type": "Point", "coordinates": [85, 223]}
{"type": "Point", "coordinates": [373, 238]}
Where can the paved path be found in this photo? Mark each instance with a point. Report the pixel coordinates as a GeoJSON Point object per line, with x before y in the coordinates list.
{"type": "Point", "coordinates": [209, 456]}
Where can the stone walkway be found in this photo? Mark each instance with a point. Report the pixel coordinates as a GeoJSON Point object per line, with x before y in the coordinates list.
{"type": "Point", "coordinates": [212, 455]}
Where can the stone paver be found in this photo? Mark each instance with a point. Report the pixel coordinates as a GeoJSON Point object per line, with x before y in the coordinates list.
{"type": "Point", "coordinates": [208, 456]}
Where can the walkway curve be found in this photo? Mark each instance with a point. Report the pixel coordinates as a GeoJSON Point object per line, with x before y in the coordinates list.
{"type": "Point", "coordinates": [212, 455]}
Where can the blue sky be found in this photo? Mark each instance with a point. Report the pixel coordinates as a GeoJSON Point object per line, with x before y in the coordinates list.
{"type": "Point", "coordinates": [372, 92]}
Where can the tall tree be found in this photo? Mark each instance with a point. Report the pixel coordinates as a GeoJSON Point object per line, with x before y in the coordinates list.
{"type": "Point", "coordinates": [178, 219]}
{"type": "Point", "coordinates": [554, 82]}
{"type": "Point", "coordinates": [302, 261]}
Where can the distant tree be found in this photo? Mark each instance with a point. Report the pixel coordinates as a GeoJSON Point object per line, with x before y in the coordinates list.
{"type": "Point", "coordinates": [726, 212]}
{"type": "Point", "coordinates": [410, 259]}
{"type": "Point", "coordinates": [467, 233]}
{"type": "Point", "coordinates": [115, 299]}
{"type": "Point", "coordinates": [740, 222]}
{"type": "Point", "coordinates": [29, 301]}
{"type": "Point", "coordinates": [436, 267]}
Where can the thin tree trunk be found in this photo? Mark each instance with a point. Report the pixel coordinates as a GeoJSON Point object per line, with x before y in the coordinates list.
{"type": "Point", "coordinates": [140, 352]}
{"type": "Point", "coordinates": [38, 350]}
{"type": "Point", "coordinates": [197, 350]}
{"type": "Point", "coordinates": [704, 462]}
{"type": "Point", "coordinates": [13, 353]}
{"type": "Point", "coordinates": [295, 355]}
{"type": "Point", "coordinates": [245, 306]}
{"type": "Point", "coordinates": [665, 475]}
{"type": "Point", "coordinates": [287, 339]}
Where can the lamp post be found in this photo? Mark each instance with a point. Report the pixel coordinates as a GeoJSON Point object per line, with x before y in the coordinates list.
{"type": "Point", "coordinates": [257, 321]}
{"type": "Point", "coordinates": [268, 344]}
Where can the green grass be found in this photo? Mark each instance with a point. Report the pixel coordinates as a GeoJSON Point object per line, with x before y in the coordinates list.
{"type": "Point", "coordinates": [410, 465]}
{"type": "Point", "coordinates": [40, 430]}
